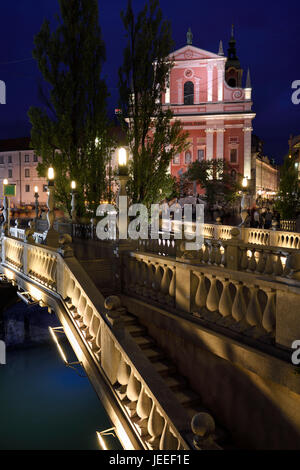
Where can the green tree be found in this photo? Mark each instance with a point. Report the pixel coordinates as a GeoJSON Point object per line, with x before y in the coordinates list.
{"type": "Point", "coordinates": [215, 176]}
{"type": "Point", "coordinates": [70, 130]}
{"type": "Point", "coordinates": [288, 197]}
{"type": "Point", "coordinates": [152, 138]}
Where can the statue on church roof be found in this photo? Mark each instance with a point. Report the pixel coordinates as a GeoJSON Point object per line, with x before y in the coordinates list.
{"type": "Point", "coordinates": [189, 37]}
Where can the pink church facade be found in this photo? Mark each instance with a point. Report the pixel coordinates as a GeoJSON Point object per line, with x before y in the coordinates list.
{"type": "Point", "coordinates": [217, 116]}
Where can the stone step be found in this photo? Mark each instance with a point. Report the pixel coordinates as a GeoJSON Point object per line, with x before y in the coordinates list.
{"type": "Point", "coordinates": [175, 382]}
{"type": "Point", "coordinates": [136, 330]}
{"type": "Point", "coordinates": [164, 368]}
{"type": "Point", "coordinates": [153, 354]}
{"type": "Point", "coordinates": [129, 319]}
{"type": "Point", "coordinates": [187, 398]}
{"type": "Point", "coordinates": [144, 342]}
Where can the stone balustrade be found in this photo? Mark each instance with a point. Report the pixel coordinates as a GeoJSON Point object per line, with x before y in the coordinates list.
{"type": "Point", "coordinates": [288, 225]}
{"type": "Point", "coordinates": [245, 302]}
{"type": "Point", "coordinates": [160, 423]}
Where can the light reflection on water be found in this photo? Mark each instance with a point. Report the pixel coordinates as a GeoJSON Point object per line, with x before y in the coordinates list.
{"type": "Point", "coordinates": [45, 405]}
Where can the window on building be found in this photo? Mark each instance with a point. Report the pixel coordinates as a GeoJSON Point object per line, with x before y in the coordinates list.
{"type": "Point", "coordinates": [188, 158]}
{"type": "Point", "coordinates": [35, 158]}
{"type": "Point", "coordinates": [27, 188]}
{"type": "Point", "coordinates": [9, 173]}
{"type": "Point", "coordinates": [27, 173]}
{"type": "Point", "coordinates": [1, 160]}
{"type": "Point", "coordinates": [188, 93]}
{"type": "Point", "coordinates": [200, 155]}
{"type": "Point", "coordinates": [9, 159]}
{"type": "Point", "coordinates": [233, 155]}
{"type": "Point", "coordinates": [176, 159]}
{"type": "Point", "coordinates": [45, 188]}
{"type": "Point", "coordinates": [26, 158]}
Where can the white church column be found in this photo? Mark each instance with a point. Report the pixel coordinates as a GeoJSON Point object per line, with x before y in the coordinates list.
{"type": "Point", "coordinates": [209, 82]}
{"type": "Point", "coordinates": [220, 81]}
{"type": "Point", "coordinates": [220, 143]}
{"type": "Point", "coordinates": [209, 143]}
{"type": "Point", "coordinates": [247, 152]}
{"type": "Point", "coordinates": [197, 91]}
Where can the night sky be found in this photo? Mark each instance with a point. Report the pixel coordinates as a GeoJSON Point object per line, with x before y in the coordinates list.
{"type": "Point", "coordinates": [267, 35]}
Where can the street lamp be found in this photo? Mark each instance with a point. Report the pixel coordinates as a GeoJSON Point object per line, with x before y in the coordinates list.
{"type": "Point", "coordinates": [36, 197]}
{"type": "Point", "coordinates": [73, 201]}
{"type": "Point", "coordinates": [6, 209]}
{"type": "Point", "coordinates": [52, 236]}
{"type": "Point", "coordinates": [244, 200]}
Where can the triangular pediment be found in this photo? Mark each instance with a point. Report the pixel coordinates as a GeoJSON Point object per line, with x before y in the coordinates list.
{"type": "Point", "coordinates": [193, 53]}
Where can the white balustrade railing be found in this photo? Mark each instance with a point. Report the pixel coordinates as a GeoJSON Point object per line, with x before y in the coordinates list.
{"type": "Point", "coordinates": [150, 413]}
{"type": "Point", "coordinates": [241, 300]}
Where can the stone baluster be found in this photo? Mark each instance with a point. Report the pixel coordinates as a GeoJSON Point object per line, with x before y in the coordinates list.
{"type": "Point", "coordinates": [212, 302]}
{"type": "Point", "coordinates": [164, 286]}
{"type": "Point", "coordinates": [201, 292]}
{"type": "Point", "coordinates": [155, 427]}
{"type": "Point", "coordinates": [278, 267]}
{"type": "Point", "coordinates": [206, 253]}
{"type": "Point", "coordinates": [172, 286]}
{"type": "Point", "coordinates": [225, 304]}
{"type": "Point", "coordinates": [157, 281]}
{"type": "Point", "coordinates": [261, 261]}
{"type": "Point", "coordinates": [254, 314]}
{"type": "Point", "coordinates": [133, 392]}
{"type": "Point", "coordinates": [168, 441]}
{"type": "Point", "coordinates": [143, 409]}
{"type": "Point", "coordinates": [123, 375]}
{"type": "Point", "coordinates": [252, 262]}
{"type": "Point", "coordinates": [239, 308]}
{"type": "Point", "coordinates": [219, 255]}
{"type": "Point", "coordinates": [269, 269]}
{"type": "Point", "coordinates": [244, 259]}
{"type": "Point", "coordinates": [213, 253]}
{"type": "Point", "coordinates": [269, 314]}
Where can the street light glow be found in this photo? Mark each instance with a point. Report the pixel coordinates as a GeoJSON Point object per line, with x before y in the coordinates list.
{"type": "Point", "coordinates": [122, 156]}
{"type": "Point", "coordinates": [36, 189]}
{"type": "Point", "coordinates": [245, 182]}
{"type": "Point", "coordinates": [73, 185]}
{"type": "Point", "coordinates": [5, 181]}
{"type": "Point", "coordinates": [50, 174]}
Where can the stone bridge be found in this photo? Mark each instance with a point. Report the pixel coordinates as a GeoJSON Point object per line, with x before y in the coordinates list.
{"type": "Point", "coordinates": [169, 337]}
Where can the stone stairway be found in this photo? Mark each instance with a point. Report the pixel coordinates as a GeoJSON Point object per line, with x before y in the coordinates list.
{"type": "Point", "coordinates": [168, 371]}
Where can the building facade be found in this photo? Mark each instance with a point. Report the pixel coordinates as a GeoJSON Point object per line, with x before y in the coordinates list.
{"type": "Point", "coordinates": [18, 164]}
{"type": "Point", "coordinates": [206, 95]}
{"type": "Point", "coordinates": [294, 151]}
{"type": "Point", "coordinates": [265, 174]}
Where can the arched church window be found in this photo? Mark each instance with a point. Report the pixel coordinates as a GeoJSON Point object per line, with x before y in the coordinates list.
{"type": "Point", "coordinates": [188, 93]}
{"type": "Point", "coordinates": [232, 82]}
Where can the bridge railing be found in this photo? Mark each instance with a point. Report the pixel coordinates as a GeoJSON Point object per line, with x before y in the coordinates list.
{"type": "Point", "coordinates": [246, 302]}
{"type": "Point", "coordinates": [157, 417]}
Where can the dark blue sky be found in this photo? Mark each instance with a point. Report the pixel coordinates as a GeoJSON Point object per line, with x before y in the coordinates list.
{"type": "Point", "coordinates": [268, 40]}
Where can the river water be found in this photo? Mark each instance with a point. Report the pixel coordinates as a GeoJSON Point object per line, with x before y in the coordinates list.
{"type": "Point", "coordinates": [46, 405]}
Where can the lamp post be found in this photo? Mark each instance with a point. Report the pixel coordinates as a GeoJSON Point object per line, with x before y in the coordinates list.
{"type": "Point", "coordinates": [123, 178]}
{"type": "Point", "coordinates": [36, 197]}
{"type": "Point", "coordinates": [52, 236]}
{"type": "Point", "coordinates": [73, 201]}
{"type": "Point", "coordinates": [245, 200]}
{"type": "Point", "coordinates": [6, 209]}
